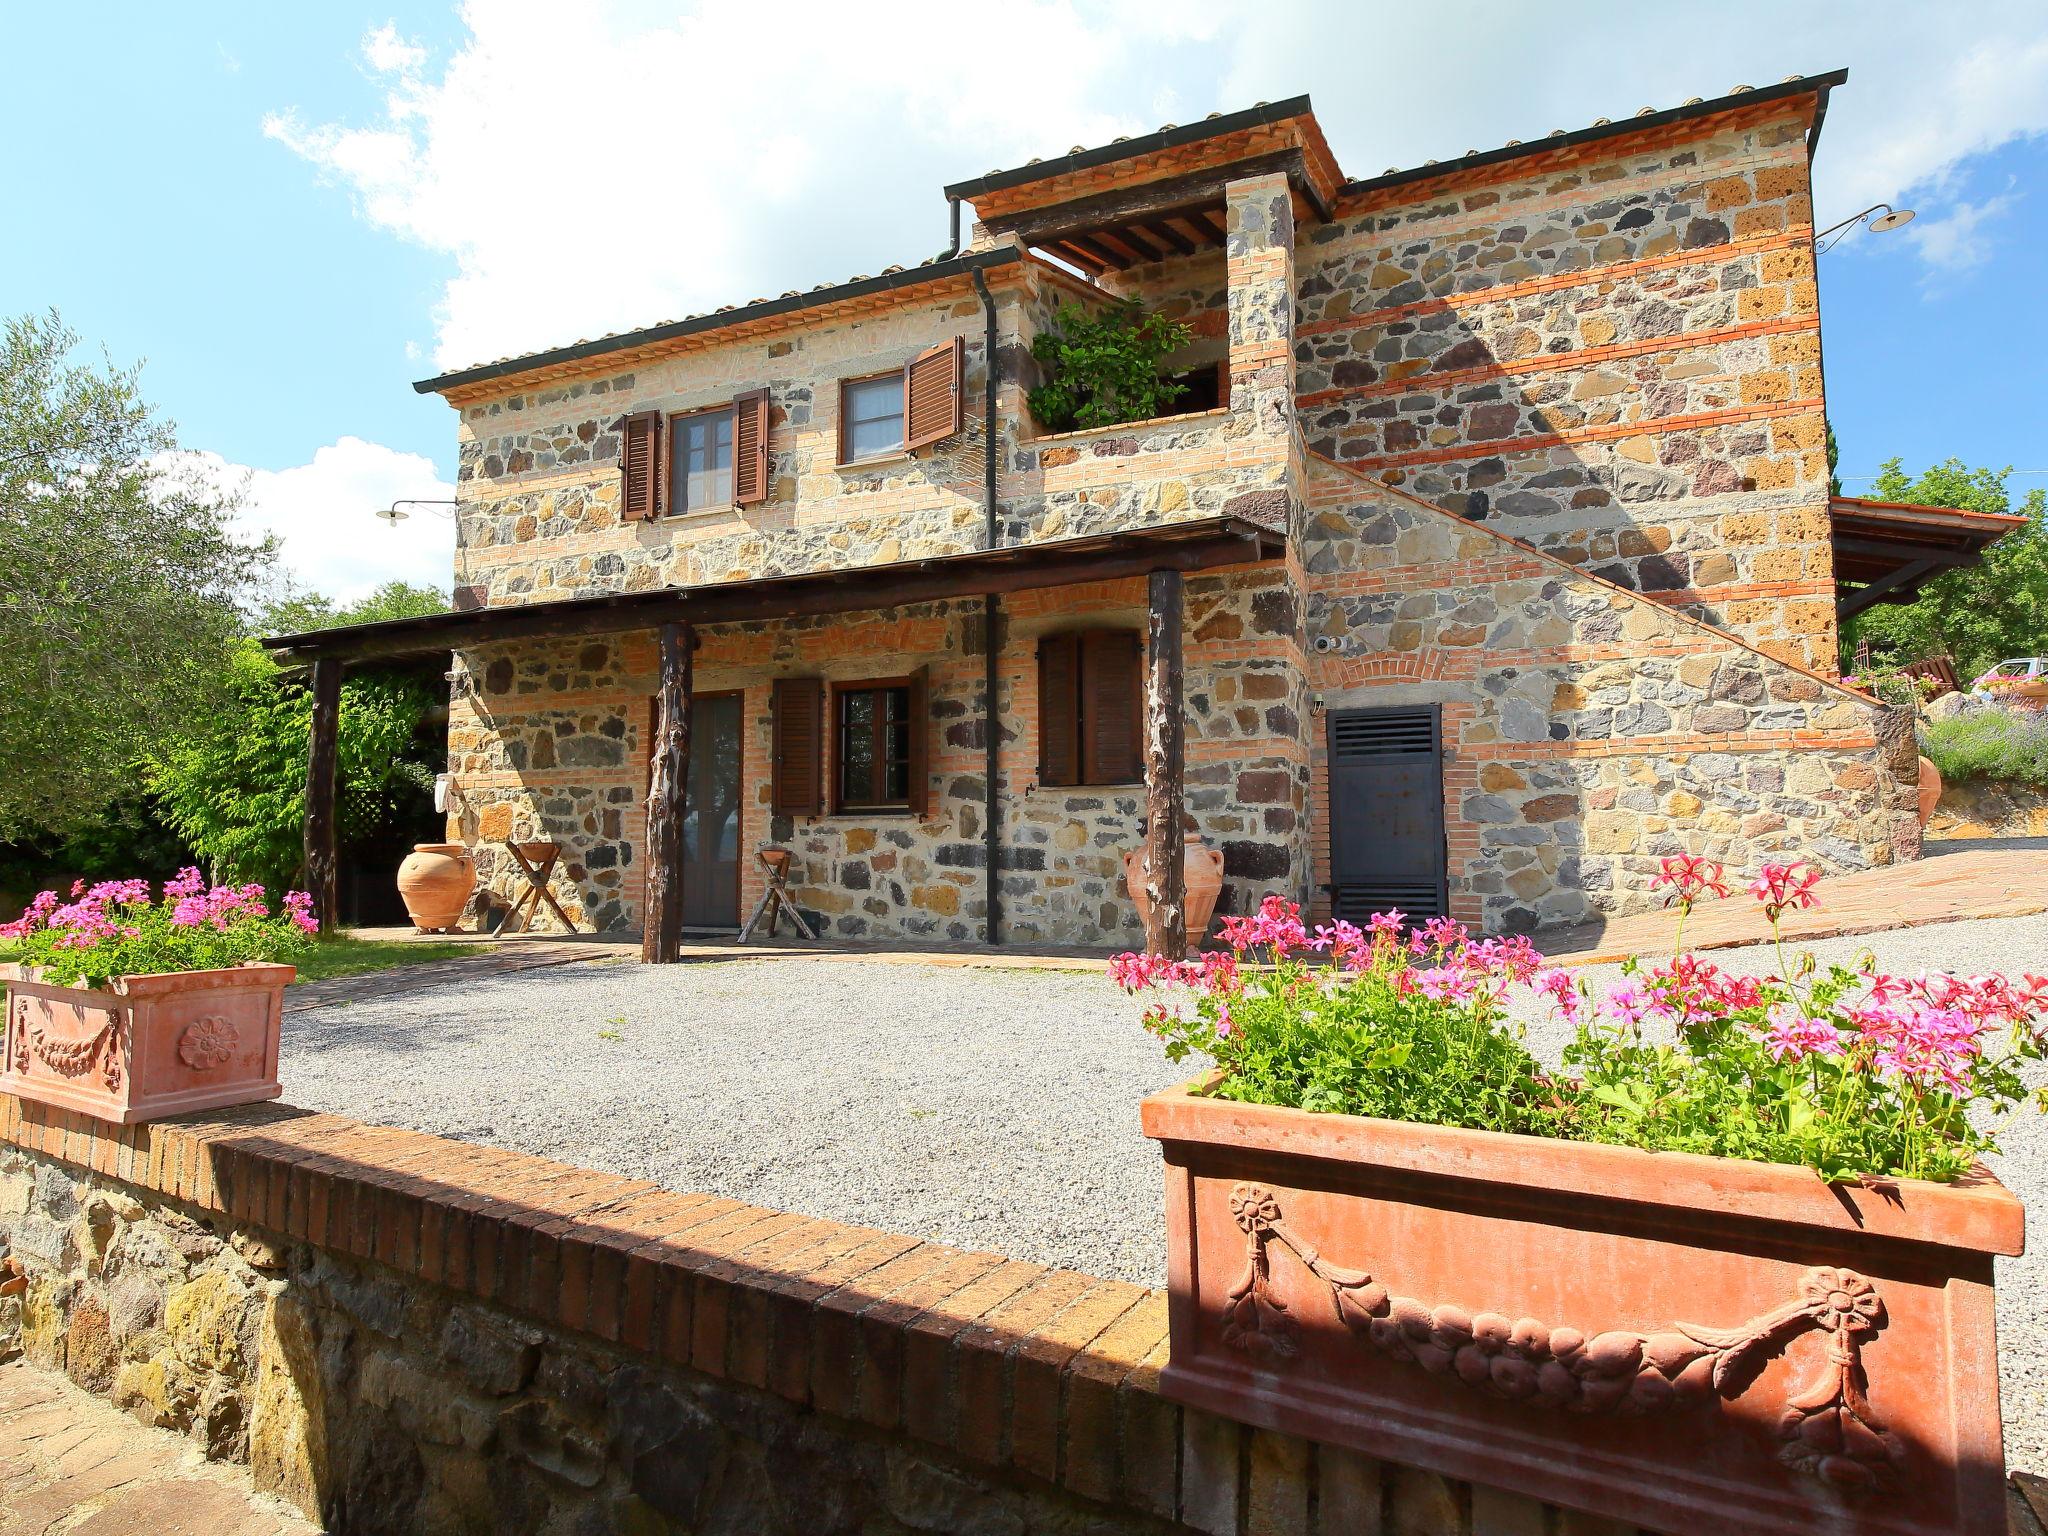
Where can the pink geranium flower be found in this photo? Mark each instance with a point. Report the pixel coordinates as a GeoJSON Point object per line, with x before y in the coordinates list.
{"type": "Point", "coordinates": [1779, 886]}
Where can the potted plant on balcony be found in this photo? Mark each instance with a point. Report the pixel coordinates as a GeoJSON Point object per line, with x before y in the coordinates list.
{"type": "Point", "coordinates": [129, 1008]}
{"type": "Point", "coordinates": [1103, 367]}
{"type": "Point", "coordinates": [1731, 1272]}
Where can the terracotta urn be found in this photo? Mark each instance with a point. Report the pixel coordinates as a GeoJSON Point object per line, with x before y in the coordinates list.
{"type": "Point", "coordinates": [434, 882]}
{"type": "Point", "coordinates": [1674, 1342]}
{"type": "Point", "coordinates": [144, 1047]}
{"type": "Point", "coordinates": [1204, 866]}
{"type": "Point", "coordinates": [1930, 790]}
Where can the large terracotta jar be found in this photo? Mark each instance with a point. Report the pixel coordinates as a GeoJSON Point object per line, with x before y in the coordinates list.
{"type": "Point", "coordinates": [435, 881]}
{"type": "Point", "coordinates": [1674, 1342]}
{"type": "Point", "coordinates": [144, 1047]}
{"type": "Point", "coordinates": [1930, 790]}
{"type": "Point", "coordinates": [1204, 875]}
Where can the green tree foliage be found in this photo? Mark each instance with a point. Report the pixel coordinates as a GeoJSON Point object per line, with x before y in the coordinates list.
{"type": "Point", "coordinates": [295, 611]}
{"type": "Point", "coordinates": [123, 585]}
{"type": "Point", "coordinates": [1103, 368]}
{"type": "Point", "coordinates": [1978, 614]}
{"type": "Point", "coordinates": [233, 785]}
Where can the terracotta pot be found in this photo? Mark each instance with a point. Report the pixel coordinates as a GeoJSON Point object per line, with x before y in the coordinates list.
{"type": "Point", "coordinates": [434, 882]}
{"type": "Point", "coordinates": [1930, 790]}
{"type": "Point", "coordinates": [1204, 876]}
{"type": "Point", "coordinates": [1679, 1343]}
{"type": "Point", "coordinates": [147, 1046]}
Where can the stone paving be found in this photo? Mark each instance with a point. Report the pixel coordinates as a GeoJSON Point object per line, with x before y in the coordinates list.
{"type": "Point", "coordinates": [1956, 881]}
{"type": "Point", "coordinates": [71, 1463]}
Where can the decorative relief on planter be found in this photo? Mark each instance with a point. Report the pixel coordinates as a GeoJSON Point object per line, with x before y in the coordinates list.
{"type": "Point", "coordinates": [1829, 1429]}
{"type": "Point", "coordinates": [208, 1042]}
{"type": "Point", "coordinates": [73, 1057]}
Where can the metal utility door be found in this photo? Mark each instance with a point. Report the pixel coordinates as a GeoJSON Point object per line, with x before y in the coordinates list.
{"type": "Point", "coordinates": [711, 816]}
{"type": "Point", "coordinates": [1387, 813]}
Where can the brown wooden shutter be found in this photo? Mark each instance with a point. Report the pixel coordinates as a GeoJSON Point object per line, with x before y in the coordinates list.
{"type": "Point", "coordinates": [750, 448]}
{"type": "Point", "coordinates": [1112, 708]}
{"type": "Point", "coordinates": [798, 769]}
{"type": "Point", "coordinates": [1059, 756]}
{"type": "Point", "coordinates": [640, 467]}
{"type": "Point", "coordinates": [920, 742]}
{"type": "Point", "coordinates": [931, 393]}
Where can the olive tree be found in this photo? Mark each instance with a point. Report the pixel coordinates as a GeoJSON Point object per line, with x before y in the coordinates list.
{"type": "Point", "coordinates": [122, 580]}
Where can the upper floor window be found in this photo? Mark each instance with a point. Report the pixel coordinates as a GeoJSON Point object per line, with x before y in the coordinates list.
{"type": "Point", "coordinates": [870, 417]}
{"type": "Point", "coordinates": [701, 472]}
{"type": "Point", "coordinates": [712, 458]}
{"type": "Point", "coordinates": [913, 407]}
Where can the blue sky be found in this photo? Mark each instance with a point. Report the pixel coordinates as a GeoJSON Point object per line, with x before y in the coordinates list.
{"type": "Point", "coordinates": [293, 212]}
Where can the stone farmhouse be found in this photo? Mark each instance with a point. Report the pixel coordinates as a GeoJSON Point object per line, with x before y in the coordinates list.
{"type": "Point", "coordinates": [1489, 557]}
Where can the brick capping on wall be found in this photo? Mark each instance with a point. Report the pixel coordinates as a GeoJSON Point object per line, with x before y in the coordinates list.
{"type": "Point", "coordinates": [1038, 1379]}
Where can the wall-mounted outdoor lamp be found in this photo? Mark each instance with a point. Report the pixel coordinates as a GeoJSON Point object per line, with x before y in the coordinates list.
{"type": "Point", "coordinates": [1888, 218]}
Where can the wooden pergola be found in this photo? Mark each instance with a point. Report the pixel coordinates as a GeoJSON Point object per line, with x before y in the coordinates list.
{"type": "Point", "coordinates": [1162, 554]}
{"type": "Point", "coordinates": [1885, 551]}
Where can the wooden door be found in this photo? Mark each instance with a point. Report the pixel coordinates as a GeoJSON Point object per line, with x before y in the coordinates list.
{"type": "Point", "coordinates": [1387, 813]}
{"type": "Point", "coordinates": [711, 814]}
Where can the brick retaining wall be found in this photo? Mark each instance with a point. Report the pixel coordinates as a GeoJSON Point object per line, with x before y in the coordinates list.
{"type": "Point", "coordinates": [404, 1333]}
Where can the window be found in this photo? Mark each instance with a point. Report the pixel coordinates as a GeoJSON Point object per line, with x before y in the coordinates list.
{"type": "Point", "coordinates": [700, 474]}
{"type": "Point", "coordinates": [870, 417]}
{"type": "Point", "coordinates": [878, 760]}
{"type": "Point", "coordinates": [1090, 693]}
{"type": "Point", "coordinates": [873, 733]}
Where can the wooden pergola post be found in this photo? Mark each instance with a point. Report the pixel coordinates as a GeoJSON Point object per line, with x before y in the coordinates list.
{"type": "Point", "coordinates": [321, 881]}
{"type": "Point", "coordinates": [1166, 883]}
{"type": "Point", "coordinates": [661, 938]}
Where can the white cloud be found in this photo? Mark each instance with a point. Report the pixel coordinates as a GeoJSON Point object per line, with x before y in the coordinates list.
{"type": "Point", "coordinates": [1957, 240]}
{"type": "Point", "coordinates": [607, 175]}
{"type": "Point", "coordinates": [321, 514]}
{"type": "Point", "coordinates": [388, 53]}
{"type": "Point", "coordinates": [637, 165]}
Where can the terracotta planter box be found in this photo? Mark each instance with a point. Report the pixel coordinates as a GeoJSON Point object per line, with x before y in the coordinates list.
{"type": "Point", "coordinates": [1684, 1343]}
{"type": "Point", "coordinates": [147, 1046]}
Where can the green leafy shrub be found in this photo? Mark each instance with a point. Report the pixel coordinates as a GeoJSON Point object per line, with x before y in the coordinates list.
{"type": "Point", "coordinates": [1103, 368]}
{"type": "Point", "coordinates": [1990, 744]}
{"type": "Point", "coordinates": [1849, 1071]}
{"type": "Point", "coordinates": [233, 785]}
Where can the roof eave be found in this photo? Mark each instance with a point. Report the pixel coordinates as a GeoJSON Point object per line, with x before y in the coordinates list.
{"type": "Point", "coordinates": [1806, 85]}
{"type": "Point", "coordinates": [583, 351]}
{"type": "Point", "coordinates": [1142, 144]}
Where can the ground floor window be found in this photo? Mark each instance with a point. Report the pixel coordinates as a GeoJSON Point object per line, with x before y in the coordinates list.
{"type": "Point", "coordinates": [871, 746]}
{"type": "Point", "coordinates": [1090, 708]}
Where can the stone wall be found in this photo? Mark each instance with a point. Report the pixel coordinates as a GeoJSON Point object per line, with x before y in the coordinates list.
{"type": "Point", "coordinates": [406, 1335]}
{"type": "Point", "coordinates": [1588, 731]}
{"type": "Point", "coordinates": [552, 742]}
{"type": "Point", "coordinates": [539, 482]}
{"type": "Point", "coordinates": [1615, 358]}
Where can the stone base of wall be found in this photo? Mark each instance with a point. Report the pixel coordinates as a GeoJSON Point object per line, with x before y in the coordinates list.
{"type": "Point", "coordinates": [401, 1334]}
{"type": "Point", "coordinates": [1987, 808]}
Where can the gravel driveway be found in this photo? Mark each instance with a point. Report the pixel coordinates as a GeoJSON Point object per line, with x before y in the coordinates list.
{"type": "Point", "coordinates": [985, 1108]}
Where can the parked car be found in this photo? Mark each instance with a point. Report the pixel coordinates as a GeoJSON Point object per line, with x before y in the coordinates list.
{"type": "Point", "coordinates": [2023, 677]}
